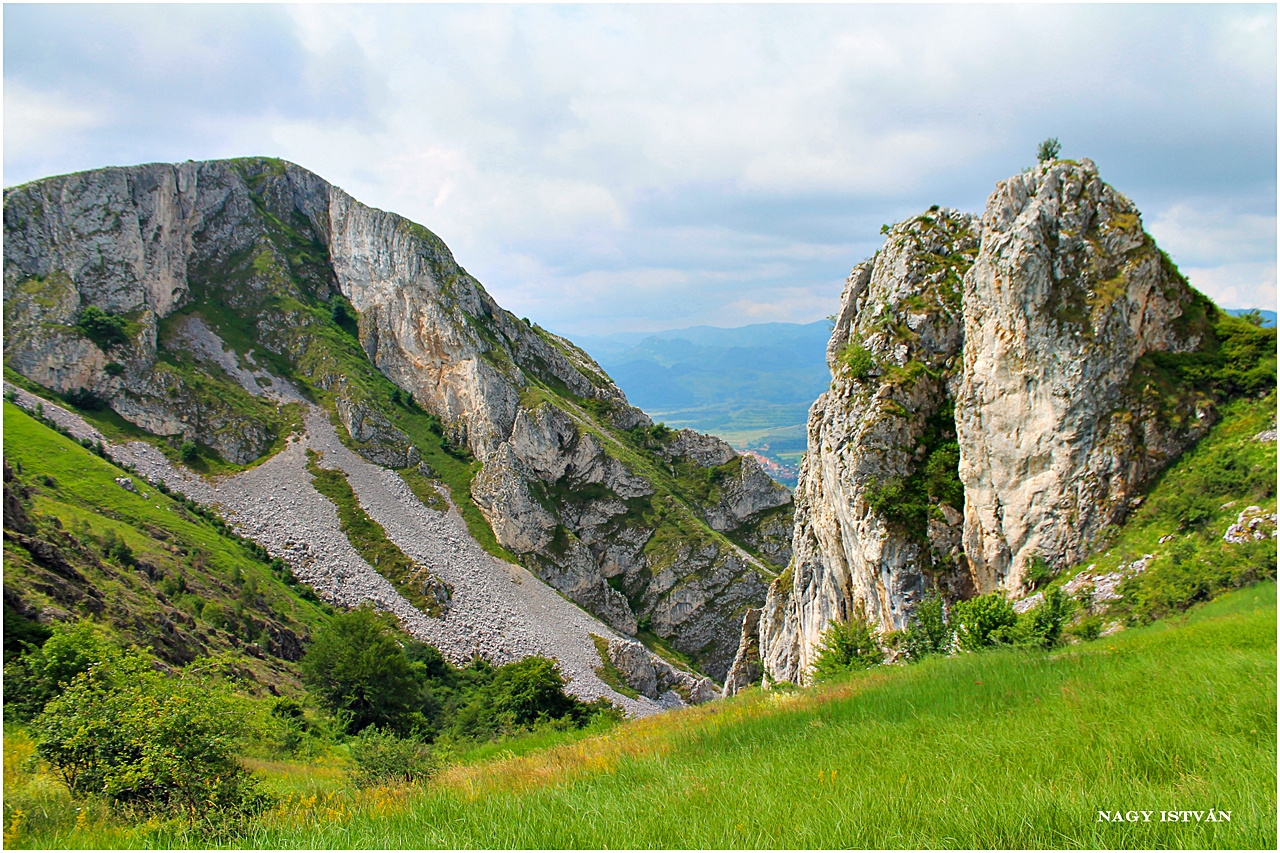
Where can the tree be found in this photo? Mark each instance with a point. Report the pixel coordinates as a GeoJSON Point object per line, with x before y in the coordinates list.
{"type": "Point", "coordinates": [34, 679]}
{"type": "Point", "coordinates": [360, 672]}
{"type": "Point", "coordinates": [530, 690]}
{"type": "Point", "coordinates": [1048, 150]}
{"type": "Point", "coordinates": [105, 330]}
{"type": "Point", "coordinates": [342, 315]}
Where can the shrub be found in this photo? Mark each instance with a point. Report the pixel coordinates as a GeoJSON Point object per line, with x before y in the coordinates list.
{"type": "Point", "coordinates": [1048, 150]}
{"type": "Point", "coordinates": [381, 757]}
{"type": "Point", "coordinates": [189, 452]}
{"type": "Point", "coordinates": [343, 316]}
{"type": "Point", "coordinates": [83, 398]}
{"type": "Point", "coordinates": [1087, 628]}
{"type": "Point", "coordinates": [148, 743]}
{"type": "Point", "coordinates": [359, 671]}
{"type": "Point", "coordinates": [118, 549]}
{"type": "Point", "coordinates": [927, 633]}
{"type": "Point", "coordinates": [105, 330]}
{"type": "Point", "coordinates": [941, 474]}
{"type": "Point", "coordinates": [847, 646]}
{"type": "Point", "coordinates": [1038, 572]}
{"type": "Point", "coordinates": [36, 677]}
{"type": "Point", "coordinates": [114, 368]}
{"type": "Point", "coordinates": [857, 360]}
{"type": "Point", "coordinates": [1041, 626]}
{"type": "Point", "coordinates": [530, 690]}
{"type": "Point", "coordinates": [518, 696]}
{"type": "Point", "coordinates": [976, 619]}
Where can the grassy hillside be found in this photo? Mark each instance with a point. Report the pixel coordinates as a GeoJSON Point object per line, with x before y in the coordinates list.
{"type": "Point", "coordinates": [155, 570]}
{"type": "Point", "coordinates": [1008, 748]}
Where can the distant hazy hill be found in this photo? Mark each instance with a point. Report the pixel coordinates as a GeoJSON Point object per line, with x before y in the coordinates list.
{"type": "Point", "coordinates": [751, 385]}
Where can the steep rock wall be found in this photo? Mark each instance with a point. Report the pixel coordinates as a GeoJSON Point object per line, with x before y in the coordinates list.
{"type": "Point", "coordinates": [627, 518]}
{"type": "Point", "coordinates": [1066, 296]}
{"type": "Point", "coordinates": [1060, 416]}
{"type": "Point", "coordinates": [871, 526]}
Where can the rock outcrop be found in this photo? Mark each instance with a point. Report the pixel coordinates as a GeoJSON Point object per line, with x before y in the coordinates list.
{"type": "Point", "coordinates": [878, 504]}
{"type": "Point", "coordinates": [652, 676]}
{"type": "Point", "coordinates": [238, 288]}
{"type": "Point", "coordinates": [746, 669]}
{"type": "Point", "coordinates": [994, 402]}
{"type": "Point", "coordinates": [1066, 297]}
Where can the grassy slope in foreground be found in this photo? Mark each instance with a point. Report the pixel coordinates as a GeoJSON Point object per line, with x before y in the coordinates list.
{"type": "Point", "coordinates": [1009, 748]}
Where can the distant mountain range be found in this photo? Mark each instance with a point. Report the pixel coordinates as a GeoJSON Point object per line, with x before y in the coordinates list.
{"type": "Point", "coordinates": [751, 385]}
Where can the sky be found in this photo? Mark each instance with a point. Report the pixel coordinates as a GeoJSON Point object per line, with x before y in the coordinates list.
{"type": "Point", "coordinates": [607, 168]}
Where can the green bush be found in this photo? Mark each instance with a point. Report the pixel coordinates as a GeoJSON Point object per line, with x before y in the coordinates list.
{"type": "Point", "coordinates": [383, 758]}
{"type": "Point", "coordinates": [1087, 628]}
{"type": "Point", "coordinates": [490, 701]}
{"type": "Point", "coordinates": [148, 743]}
{"type": "Point", "coordinates": [857, 360]}
{"type": "Point", "coordinates": [1041, 626]}
{"type": "Point", "coordinates": [32, 680]}
{"type": "Point", "coordinates": [1038, 573]}
{"type": "Point", "coordinates": [343, 315]}
{"type": "Point", "coordinates": [357, 667]}
{"type": "Point", "coordinates": [942, 477]}
{"type": "Point", "coordinates": [83, 398]}
{"type": "Point", "coordinates": [105, 330]}
{"type": "Point", "coordinates": [1048, 150]}
{"type": "Point", "coordinates": [976, 619]}
{"type": "Point", "coordinates": [847, 646]}
{"type": "Point", "coordinates": [117, 549]}
{"type": "Point", "coordinates": [927, 633]}
{"type": "Point", "coordinates": [189, 452]}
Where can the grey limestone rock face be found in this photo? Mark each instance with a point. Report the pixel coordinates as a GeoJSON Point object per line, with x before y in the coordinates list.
{"type": "Point", "coordinates": [1051, 308]}
{"type": "Point", "coordinates": [652, 676]}
{"type": "Point", "coordinates": [622, 517]}
{"type": "Point", "coordinates": [1056, 432]}
{"type": "Point", "coordinates": [874, 439]}
{"type": "Point", "coordinates": [746, 669]}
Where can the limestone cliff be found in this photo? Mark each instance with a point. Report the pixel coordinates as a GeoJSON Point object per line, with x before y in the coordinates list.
{"type": "Point", "coordinates": [1058, 432]}
{"type": "Point", "coordinates": [993, 402]}
{"type": "Point", "coordinates": [233, 289]}
{"type": "Point", "coordinates": [877, 504]}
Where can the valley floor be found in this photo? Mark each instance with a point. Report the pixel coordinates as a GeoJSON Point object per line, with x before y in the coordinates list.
{"type": "Point", "coordinates": [1003, 749]}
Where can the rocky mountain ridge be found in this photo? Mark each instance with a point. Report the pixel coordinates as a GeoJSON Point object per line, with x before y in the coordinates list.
{"type": "Point", "coordinates": [219, 286]}
{"type": "Point", "coordinates": [996, 402]}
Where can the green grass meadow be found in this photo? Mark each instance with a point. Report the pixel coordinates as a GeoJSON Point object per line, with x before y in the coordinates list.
{"type": "Point", "coordinates": [1003, 749]}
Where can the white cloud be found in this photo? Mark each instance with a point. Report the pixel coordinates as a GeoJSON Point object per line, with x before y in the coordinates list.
{"type": "Point", "coordinates": [597, 166]}
{"type": "Point", "coordinates": [1245, 285]}
{"type": "Point", "coordinates": [34, 121]}
{"type": "Point", "coordinates": [1196, 233]}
